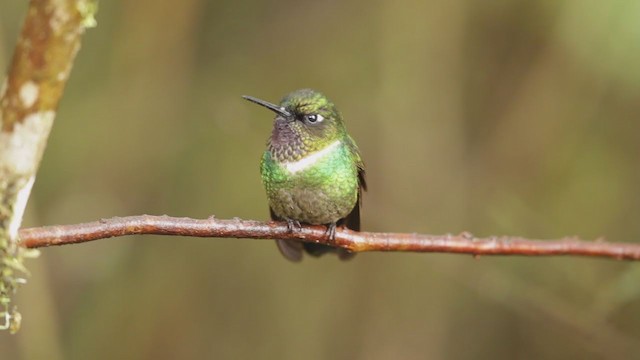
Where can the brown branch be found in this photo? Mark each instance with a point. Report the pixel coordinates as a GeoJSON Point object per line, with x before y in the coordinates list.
{"type": "Point", "coordinates": [464, 243]}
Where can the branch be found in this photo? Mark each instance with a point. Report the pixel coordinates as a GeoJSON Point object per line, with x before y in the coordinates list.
{"type": "Point", "coordinates": [29, 96]}
{"type": "Point", "coordinates": [464, 243]}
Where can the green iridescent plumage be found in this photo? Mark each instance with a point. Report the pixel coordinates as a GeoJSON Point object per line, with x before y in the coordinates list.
{"type": "Point", "coordinates": [321, 193]}
{"type": "Point", "coordinates": [311, 170]}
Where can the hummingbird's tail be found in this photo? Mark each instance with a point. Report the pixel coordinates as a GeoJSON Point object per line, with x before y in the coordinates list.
{"type": "Point", "coordinates": [293, 250]}
{"type": "Point", "coordinates": [321, 249]}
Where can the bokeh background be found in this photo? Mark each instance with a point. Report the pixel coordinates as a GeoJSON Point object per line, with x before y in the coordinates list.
{"type": "Point", "coordinates": [494, 117]}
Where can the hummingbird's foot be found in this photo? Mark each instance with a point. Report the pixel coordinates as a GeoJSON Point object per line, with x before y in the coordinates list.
{"type": "Point", "coordinates": [331, 232]}
{"type": "Point", "coordinates": [293, 225]}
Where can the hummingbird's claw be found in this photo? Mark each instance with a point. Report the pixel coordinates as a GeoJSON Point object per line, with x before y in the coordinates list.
{"type": "Point", "coordinates": [331, 232]}
{"type": "Point", "coordinates": [293, 225]}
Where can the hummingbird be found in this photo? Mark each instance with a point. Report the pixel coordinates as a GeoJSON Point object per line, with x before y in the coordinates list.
{"type": "Point", "coordinates": [311, 170]}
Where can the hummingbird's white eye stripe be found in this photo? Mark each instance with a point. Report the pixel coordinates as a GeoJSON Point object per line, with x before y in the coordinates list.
{"type": "Point", "coordinates": [309, 160]}
{"type": "Point", "coordinates": [319, 118]}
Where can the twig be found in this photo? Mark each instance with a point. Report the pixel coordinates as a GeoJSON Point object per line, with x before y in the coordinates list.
{"type": "Point", "coordinates": [464, 243]}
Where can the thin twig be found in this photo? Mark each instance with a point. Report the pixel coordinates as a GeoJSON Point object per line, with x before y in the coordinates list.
{"type": "Point", "coordinates": [463, 243]}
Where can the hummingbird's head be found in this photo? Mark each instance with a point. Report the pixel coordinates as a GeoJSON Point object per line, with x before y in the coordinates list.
{"type": "Point", "coordinates": [306, 121]}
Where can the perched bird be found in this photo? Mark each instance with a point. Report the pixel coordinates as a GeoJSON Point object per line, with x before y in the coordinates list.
{"type": "Point", "coordinates": [312, 170]}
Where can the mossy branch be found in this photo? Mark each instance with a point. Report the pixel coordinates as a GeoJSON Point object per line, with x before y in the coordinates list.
{"type": "Point", "coordinates": [29, 97]}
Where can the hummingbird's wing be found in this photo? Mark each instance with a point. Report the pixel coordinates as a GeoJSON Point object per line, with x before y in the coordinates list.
{"type": "Point", "coordinates": [291, 249]}
{"type": "Point", "coordinates": [357, 159]}
{"type": "Point", "coordinates": [362, 183]}
{"type": "Point", "coordinates": [352, 221]}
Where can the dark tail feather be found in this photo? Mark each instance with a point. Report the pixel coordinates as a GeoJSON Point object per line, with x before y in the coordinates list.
{"type": "Point", "coordinates": [291, 249]}
{"type": "Point", "coordinates": [321, 249]}
{"type": "Point", "coordinates": [317, 249]}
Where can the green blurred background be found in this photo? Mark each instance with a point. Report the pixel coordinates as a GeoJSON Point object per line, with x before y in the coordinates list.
{"type": "Point", "coordinates": [495, 117]}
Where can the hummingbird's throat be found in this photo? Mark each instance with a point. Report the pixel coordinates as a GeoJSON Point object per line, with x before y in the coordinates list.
{"type": "Point", "coordinates": [286, 143]}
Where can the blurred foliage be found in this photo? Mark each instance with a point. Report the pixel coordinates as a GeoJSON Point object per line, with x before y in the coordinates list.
{"type": "Point", "coordinates": [496, 117]}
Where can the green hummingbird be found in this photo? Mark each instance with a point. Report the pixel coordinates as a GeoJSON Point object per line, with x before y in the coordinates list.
{"type": "Point", "coordinates": [312, 170]}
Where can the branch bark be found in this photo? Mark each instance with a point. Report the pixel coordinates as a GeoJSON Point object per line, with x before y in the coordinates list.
{"type": "Point", "coordinates": [463, 243]}
{"type": "Point", "coordinates": [29, 96]}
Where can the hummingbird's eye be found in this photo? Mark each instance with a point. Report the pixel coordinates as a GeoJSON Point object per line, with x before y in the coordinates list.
{"type": "Point", "coordinates": [314, 118]}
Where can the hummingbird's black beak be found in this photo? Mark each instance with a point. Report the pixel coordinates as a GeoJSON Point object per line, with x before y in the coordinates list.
{"type": "Point", "coordinates": [275, 108]}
